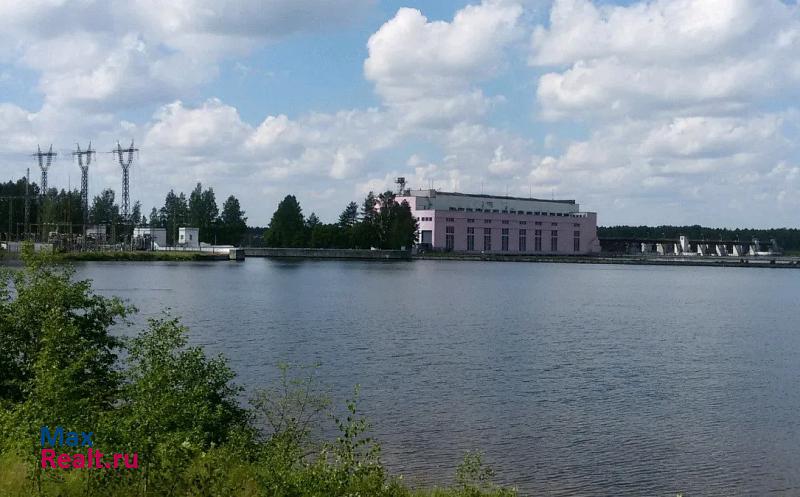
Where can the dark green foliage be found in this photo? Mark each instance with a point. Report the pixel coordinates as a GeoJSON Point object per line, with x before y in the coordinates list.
{"type": "Point", "coordinates": [788, 238]}
{"type": "Point", "coordinates": [175, 403]}
{"type": "Point", "coordinates": [232, 222]}
{"type": "Point", "coordinates": [44, 298]}
{"type": "Point", "coordinates": [287, 227]}
{"type": "Point", "coordinates": [173, 393]}
{"type": "Point", "coordinates": [368, 210]}
{"type": "Point", "coordinates": [60, 211]}
{"type": "Point", "coordinates": [474, 477]}
{"type": "Point", "coordinates": [155, 219]}
{"type": "Point", "coordinates": [203, 212]}
{"type": "Point", "coordinates": [396, 226]}
{"type": "Point", "coordinates": [349, 215]}
{"type": "Point", "coordinates": [384, 224]}
{"type": "Point", "coordinates": [12, 210]}
{"type": "Point", "coordinates": [136, 214]}
{"type": "Point", "coordinates": [104, 209]}
{"type": "Point", "coordinates": [56, 355]}
{"type": "Point", "coordinates": [173, 215]}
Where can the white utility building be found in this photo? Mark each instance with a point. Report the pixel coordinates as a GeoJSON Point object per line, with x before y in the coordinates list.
{"type": "Point", "coordinates": [189, 237]}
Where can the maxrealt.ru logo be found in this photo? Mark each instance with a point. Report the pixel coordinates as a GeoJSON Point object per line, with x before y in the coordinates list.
{"type": "Point", "coordinates": [75, 440]}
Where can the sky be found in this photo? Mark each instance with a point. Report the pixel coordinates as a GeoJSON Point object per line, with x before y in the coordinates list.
{"type": "Point", "coordinates": [646, 112]}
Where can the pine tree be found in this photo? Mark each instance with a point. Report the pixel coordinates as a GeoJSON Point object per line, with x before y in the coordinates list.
{"type": "Point", "coordinates": [286, 228]}
{"type": "Point", "coordinates": [349, 215]}
{"type": "Point", "coordinates": [232, 221]}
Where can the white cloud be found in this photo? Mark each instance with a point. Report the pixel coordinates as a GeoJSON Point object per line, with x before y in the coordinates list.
{"type": "Point", "coordinates": [686, 101]}
{"type": "Point", "coordinates": [121, 54]}
{"type": "Point", "coordinates": [427, 70]}
{"type": "Point", "coordinates": [210, 127]}
{"type": "Point", "coordinates": [672, 56]}
{"type": "Point", "coordinates": [210, 143]}
{"type": "Point", "coordinates": [16, 127]}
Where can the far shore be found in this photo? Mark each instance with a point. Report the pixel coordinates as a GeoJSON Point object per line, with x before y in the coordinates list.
{"type": "Point", "coordinates": [773, 262]}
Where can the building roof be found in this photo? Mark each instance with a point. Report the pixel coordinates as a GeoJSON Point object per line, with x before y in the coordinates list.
{"type": "Point", "coordinates": [480, 195]}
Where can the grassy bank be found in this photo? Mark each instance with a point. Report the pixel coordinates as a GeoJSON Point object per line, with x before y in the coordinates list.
{"type": "Point", "coordinates": [140, 256]}
{"type": "Point", "coordinates": [177, 409]}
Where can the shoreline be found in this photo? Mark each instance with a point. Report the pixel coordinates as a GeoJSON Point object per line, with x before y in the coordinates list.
{"type": "Point", "coordinates": [750, 262]}
{"type": "Point", "coordinates": [119, 256]}
{"type": "Point", "coordinates": [771, 262]}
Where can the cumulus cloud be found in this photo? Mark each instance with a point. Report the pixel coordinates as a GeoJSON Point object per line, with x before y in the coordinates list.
{"type": "Point", "coordinates": [121, 54]}
{"type": "Point", "coordinates": [687, 103]}
{"type": "Point", "coordinates": [211, 143]}
{"type": "Point", "coordinates": [427, 70]}
{"type": "Point", "coordinates": [669, 56]}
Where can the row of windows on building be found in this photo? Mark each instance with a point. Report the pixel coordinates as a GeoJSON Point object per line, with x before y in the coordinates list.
{"type": "Point", "coordinates": [506, 211]}
{"type": "Point", "coordinates": [504, 236]}
{"type": "Point", "coordinates": [489, 221]}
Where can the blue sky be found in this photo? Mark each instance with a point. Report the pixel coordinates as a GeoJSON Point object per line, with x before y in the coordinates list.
{"type": "Point", "coordinates": [648, 112]}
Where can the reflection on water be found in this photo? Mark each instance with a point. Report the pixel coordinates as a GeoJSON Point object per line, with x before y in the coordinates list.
{"type": "Point", "coordinates": [573, 379]}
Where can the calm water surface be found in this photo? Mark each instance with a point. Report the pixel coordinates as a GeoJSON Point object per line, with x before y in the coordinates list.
{"type": "Point", "coordinates": [573, 379]}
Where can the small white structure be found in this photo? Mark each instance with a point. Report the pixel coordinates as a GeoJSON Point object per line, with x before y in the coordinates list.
{"type": "Point", "coordinates": [684, 244]}
{"type": "Point", "coordinates": [189, 237]}
{"type": "Point", "coordinates": [157, 235]}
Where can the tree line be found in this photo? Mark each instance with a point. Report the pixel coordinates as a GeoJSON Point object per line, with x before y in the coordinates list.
{"type": "Point", "coordinates": [62, 211]}
{"type": "Point", "coordinates": [381, 222]}
{"type": "Point", "coordinates": [788, 238]}
{"type": "Point", "coordinates": [59, 208]}
{"type": "Point", "coordinates": [200, 210]}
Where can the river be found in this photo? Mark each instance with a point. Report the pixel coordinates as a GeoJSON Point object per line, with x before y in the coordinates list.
{"type": "Point", "coordinates": [572, 379]}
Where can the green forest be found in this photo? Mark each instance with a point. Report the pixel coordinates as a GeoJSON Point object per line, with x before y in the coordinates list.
{"type": "Point", "coordinates": [381, 222]}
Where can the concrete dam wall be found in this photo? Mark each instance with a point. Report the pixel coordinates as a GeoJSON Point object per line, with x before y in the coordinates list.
{"type": "Point", "coordinates": [311, 253]}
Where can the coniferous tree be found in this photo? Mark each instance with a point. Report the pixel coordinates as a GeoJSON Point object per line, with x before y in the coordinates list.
{"type": "Point", "coordinates": [104, 210]}
{"type": "Point", "coordinates": [232, 222]}
{"type": "Point", "coordinates": [368, 207]}
{"type": "Point", "coordinates": [312, 221]}
{"type": "Point", "coordinates": [136, 213]}
{"type": "Point", "coordinates": [286, 228]}
{"type": "Point", "coordinates": [174, 214]}
{"type": "Point", "coordinates": [349, 215]}
{"type": "Point", "coordinates": [155, 219]}
{"type": "Point", "coordinates": [203, 212]}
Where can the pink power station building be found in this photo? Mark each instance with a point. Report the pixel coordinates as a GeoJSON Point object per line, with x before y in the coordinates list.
{"type": "Point", "coordinates": [463, 222]}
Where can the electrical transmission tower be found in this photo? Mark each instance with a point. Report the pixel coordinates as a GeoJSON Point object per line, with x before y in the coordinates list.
{"type": "Point", "coordinates": [45, 159]}
{"type": "Point", "coordinates": [27, 203]}
{"type": "Point", "coordinates": [80, 154]}
{"type": "Point", "coordinates": [125, 163]}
